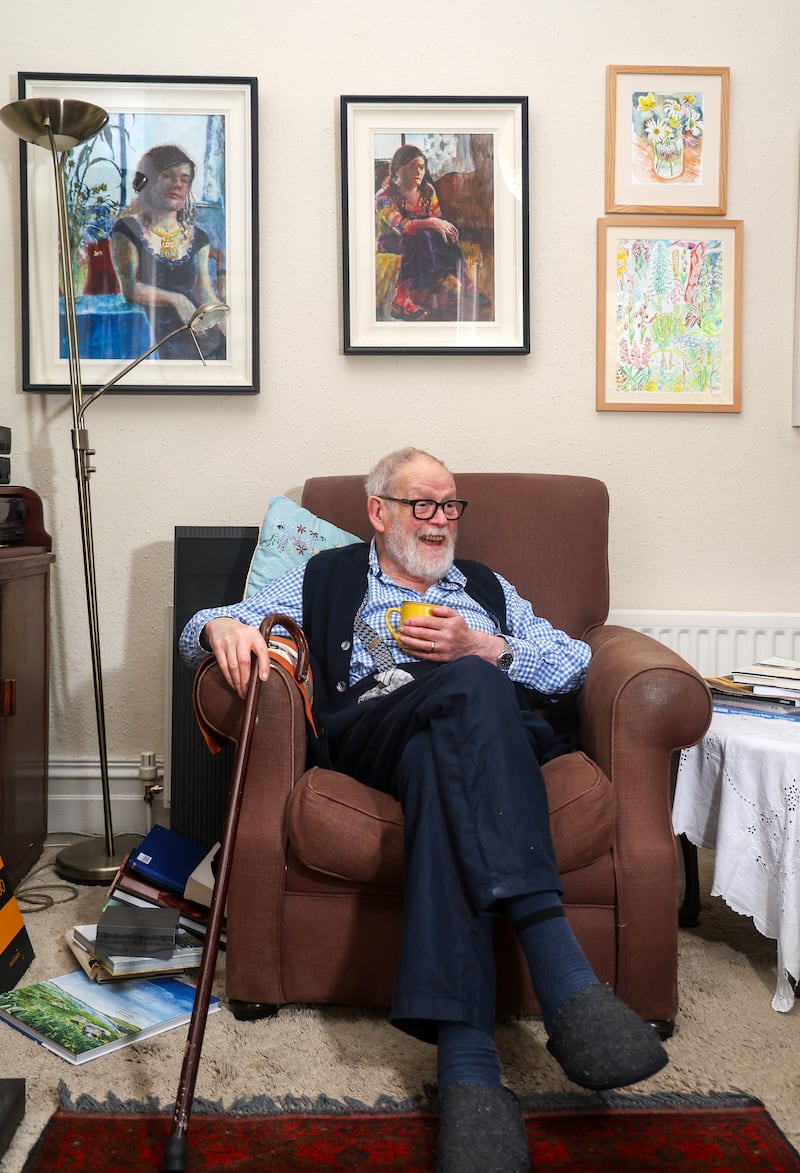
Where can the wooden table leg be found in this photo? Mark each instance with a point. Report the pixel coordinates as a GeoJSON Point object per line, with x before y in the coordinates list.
{"type": "Point", "coordinates": [689, 911]}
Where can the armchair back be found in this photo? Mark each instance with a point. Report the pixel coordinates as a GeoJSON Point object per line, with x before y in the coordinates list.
{"type": "Point", "coordinates": [560, 563]}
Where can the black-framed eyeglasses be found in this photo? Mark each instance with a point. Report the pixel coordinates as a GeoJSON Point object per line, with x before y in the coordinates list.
{"type": "Point", "coordinates": [425, 510]}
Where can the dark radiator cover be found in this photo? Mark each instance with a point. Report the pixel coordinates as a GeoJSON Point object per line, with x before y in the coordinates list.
{"type": "Point", "coordinates": [210, 569]}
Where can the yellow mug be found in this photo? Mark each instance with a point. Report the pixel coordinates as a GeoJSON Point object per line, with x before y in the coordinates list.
{"type": "Point", "coordinates": [407, 611]}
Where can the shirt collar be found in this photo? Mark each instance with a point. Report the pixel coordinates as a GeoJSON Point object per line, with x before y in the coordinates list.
{"type": "Point", "coordinates": [454, 580]}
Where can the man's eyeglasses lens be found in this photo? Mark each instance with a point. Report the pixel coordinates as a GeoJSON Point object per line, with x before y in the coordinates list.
{"type": "Point", "coordinates": [425, 510]}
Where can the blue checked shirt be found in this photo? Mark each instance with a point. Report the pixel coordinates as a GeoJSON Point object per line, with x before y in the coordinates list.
{"type": "Point", "coordinates": [545, 658]}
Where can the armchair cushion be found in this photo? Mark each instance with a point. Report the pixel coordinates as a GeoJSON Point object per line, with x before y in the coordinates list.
{"type": "Point", "coordinates": [290, 534]}
{"type": "Point", "coordinates": [340, 828]}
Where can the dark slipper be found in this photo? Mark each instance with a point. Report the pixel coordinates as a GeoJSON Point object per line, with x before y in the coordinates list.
{"type": "Point", "coordinates": [602, 1044]}
{"type": "Point", "coordinates": [481, 1130]}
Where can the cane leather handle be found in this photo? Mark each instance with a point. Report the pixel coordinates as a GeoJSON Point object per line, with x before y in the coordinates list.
{"type": "Point", "coordinates": [275, 619]}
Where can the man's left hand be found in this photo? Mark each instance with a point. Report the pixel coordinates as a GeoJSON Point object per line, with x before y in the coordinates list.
{"type": "Point", "coordinates": [443, 635]}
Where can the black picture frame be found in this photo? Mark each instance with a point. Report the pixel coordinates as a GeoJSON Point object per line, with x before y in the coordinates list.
{"type": "Point", "coordinates": [476, 162]}
{"type": "Point", "coordinates": [213, 120]}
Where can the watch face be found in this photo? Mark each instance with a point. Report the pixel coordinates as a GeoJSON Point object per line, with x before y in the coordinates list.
{"type": "Point", "coordinates": [505, 659]}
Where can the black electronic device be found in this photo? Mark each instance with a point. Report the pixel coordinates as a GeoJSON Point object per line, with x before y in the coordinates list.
{"type": "Point", "coordinates": [5, 441]}
{"type": "Point", "coordinates": [12, 521]}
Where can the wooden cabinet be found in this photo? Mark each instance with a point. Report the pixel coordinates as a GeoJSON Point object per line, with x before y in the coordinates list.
{"type": "Point", "coordinates": [24, 701]}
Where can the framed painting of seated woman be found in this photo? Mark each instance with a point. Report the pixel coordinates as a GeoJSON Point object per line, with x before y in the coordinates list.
{"type": "Point", "coordinates": [435, 225]}
{"type": "Point", "coordinates": [162, 218]}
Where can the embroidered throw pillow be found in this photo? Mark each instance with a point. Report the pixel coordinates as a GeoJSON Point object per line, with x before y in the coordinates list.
{"type": "Point", "coordinates": [289, 535]}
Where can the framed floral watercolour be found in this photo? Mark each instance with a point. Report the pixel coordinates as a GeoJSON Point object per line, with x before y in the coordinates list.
{"type": "Point", "coordinates": [163, 214]}
{"type": "Point", "coordinates": [435, 225]}
{"type": "Point", "coordinates": [669, 306]}
{"type": "Point", "coordinates": [667, 139]}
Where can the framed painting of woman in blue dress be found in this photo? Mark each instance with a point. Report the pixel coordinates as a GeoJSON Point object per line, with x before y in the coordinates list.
{"type": "Point", "coordinates": [435, 225]}
{"type": "Point", "coordinates": [162, 217]}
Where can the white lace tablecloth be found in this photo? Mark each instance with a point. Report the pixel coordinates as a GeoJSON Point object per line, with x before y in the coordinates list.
{"type": "Point", "coordinates": [738, 792]}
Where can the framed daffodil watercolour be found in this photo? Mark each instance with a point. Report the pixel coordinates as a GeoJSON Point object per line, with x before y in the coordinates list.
{"type": "Point", "coordinates": [669, 298]}
{"type": "Point", "coordinates": [667, 139]}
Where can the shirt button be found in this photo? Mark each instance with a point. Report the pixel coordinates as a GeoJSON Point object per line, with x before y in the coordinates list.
{"type": "Point", "coordinates": [345, 645]}
{"type": "Point", "coordinates": [341, 686]}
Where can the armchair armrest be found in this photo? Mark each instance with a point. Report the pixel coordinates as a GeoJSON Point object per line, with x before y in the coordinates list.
{"type": "Point", "coordinates": [638, 691]}
{"type": "Point", "coordinates": [277, 759]}
{"type": "Point", "coordinates": [640, 703]}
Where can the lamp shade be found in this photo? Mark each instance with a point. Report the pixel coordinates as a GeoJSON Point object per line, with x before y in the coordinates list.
{"type": "Point", "coordinates": [208, 315]}
{"type": "Point", "coordinates": [70, 121]}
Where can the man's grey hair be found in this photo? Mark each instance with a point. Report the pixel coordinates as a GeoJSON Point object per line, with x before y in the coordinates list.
{"type": "Point", "coordinates": [380, 480]}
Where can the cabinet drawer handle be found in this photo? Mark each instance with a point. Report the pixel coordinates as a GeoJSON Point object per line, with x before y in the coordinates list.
{"type": "Point", "coordinates": [8, 698]}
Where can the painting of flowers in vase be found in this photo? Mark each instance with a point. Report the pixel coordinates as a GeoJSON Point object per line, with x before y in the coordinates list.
{"type": "Point", "coordinates": [667, 130]}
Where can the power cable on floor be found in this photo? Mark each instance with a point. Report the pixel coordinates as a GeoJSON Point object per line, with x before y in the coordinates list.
{"type": "Point", "coordinates": [33, 897]}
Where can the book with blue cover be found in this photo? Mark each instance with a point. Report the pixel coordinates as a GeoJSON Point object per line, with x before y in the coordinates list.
{"type": "Point", "coordinates": [77, 1019]}
{"type": "Point", "coordinates": [165, 859]}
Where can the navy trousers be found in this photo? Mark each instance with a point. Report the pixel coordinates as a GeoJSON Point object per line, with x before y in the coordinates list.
{"type": "Point", "coordinates": [463, 760]}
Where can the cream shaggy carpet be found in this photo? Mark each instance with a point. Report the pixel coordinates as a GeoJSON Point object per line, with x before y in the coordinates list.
{"type": "Point", "coordinates": [727, 1035]}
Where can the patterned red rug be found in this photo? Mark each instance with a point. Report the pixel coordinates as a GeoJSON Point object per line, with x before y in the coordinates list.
{"type": "Point", "coordinates": [612, 1134]}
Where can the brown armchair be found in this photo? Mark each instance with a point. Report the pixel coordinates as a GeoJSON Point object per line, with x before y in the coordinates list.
{"type": "Point", "coordinates": [316, 886]}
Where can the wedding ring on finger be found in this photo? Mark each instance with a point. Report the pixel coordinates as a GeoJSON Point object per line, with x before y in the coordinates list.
{"type": "Point", "coordinates": [433, 646]}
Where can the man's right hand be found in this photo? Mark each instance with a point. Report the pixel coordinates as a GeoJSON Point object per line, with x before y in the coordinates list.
{"type": "Point", "coordinates": [233, 644]}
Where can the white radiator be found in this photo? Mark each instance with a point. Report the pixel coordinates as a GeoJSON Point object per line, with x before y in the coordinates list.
{"type": "Point", "coordinates": [717, 642]}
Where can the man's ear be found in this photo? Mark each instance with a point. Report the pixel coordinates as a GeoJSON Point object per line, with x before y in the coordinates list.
{"type": "Point", "coordinates": [376, 513]}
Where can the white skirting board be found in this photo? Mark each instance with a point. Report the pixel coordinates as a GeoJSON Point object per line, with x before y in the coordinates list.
{"type": "Point", "coordinates": [75, 798]}
{"type": "Point", "coordinates": [713, 642]}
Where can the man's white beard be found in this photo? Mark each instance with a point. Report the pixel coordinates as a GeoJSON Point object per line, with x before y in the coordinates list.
{"type": "Point", "coordinates": [419, 559]}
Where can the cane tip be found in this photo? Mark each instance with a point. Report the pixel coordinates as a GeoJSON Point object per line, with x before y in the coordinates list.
{"type": "Point", "coordinates": [175, 1155]}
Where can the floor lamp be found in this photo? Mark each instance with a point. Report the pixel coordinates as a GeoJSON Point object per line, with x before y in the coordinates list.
{"type": "Point", "coordinates": [59, 125]}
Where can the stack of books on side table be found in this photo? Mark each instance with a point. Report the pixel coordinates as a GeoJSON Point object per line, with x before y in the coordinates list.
{"type": "Point", "coordinates": [768, 688]}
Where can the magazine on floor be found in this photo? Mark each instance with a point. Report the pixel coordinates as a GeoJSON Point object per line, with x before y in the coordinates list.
{"type": "Point", "coordinates": [78, 1019]}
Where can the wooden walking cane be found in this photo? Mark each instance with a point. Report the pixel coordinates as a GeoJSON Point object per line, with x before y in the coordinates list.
{"type": "Point", "coordinates": [175, 1149]}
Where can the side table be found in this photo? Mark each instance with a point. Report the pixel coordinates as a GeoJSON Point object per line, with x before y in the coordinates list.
{"type": "Point", "coordinates": [738, 792]}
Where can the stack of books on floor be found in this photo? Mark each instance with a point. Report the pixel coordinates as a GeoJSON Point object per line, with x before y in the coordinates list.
{"type": "Point", "coordinates": [126, 989]}
{"type": "Point", "coordinates": [149, 925]}
{"type": "Point", "coordinates": [768, 688]}
{"type": "Point", "coordinates": [168, 870]}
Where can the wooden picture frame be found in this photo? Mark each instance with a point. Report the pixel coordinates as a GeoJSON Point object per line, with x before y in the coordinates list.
{"type": "Point", "coordinates": [410, 290]}
{"type": "Point", "coordinates": [212, 121]}
{"type": "Point", "coordinates": [667, 139]}
{"type": "Point", "coordinates": [669, 306]}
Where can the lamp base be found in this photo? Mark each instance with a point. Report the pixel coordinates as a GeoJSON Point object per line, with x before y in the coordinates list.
{"type": "Point", "coordinates": [88, 862]}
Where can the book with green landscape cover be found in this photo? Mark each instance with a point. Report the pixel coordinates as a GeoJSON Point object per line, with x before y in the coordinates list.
{"type": "Point", "coordinates": [79, 1020]}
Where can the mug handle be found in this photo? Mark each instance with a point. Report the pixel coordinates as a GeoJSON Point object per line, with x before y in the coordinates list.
{"type": "Point", "coordinates": [389, 624]}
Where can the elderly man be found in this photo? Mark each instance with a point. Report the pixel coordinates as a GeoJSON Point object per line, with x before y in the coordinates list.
{"type": "Point", "coordinates": [445, 722]}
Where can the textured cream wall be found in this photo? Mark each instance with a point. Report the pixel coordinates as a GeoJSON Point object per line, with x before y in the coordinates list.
{"type": "Point", "coordinates": [704, 510]}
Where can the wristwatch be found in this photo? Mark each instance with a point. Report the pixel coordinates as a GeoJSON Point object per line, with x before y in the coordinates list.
{"type": "Point", "coordinates": [506, 657]}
